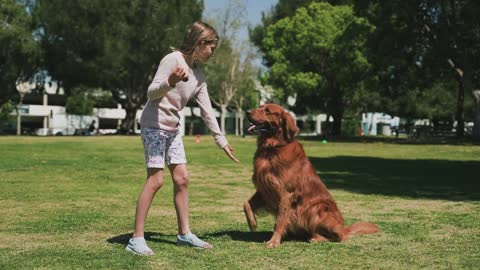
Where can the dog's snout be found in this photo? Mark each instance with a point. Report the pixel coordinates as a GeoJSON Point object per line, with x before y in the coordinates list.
{"type": "Point", "coordinates": [249, 112]}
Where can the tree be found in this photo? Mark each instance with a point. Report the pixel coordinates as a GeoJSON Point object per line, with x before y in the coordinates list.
{"type": "Point", "coordinates": [456, 25]}
{"type": "Point", "coordinates": [221, 72]}
{"type": "Point", "coordinates": [5, 110]}
{"type": "Point", "coordinates": [476, 127]}
{"type": "Point", "coordinates": [228, 73]}
{"type": "Point", "coordinates": [80, 102]}
{"type": "Point", "coordinates": [114, 45]}
{"type": "Point", "coordinates": [283, 9]}
{"type": "Point", "coordinates": [230, 81]}
{"type": "Point", "coordinates": [23, 88]}
{"type": "Point", "coordinates": [18, 50]}
{"type": "Point", "coordinates": [418, 44]}
{"type": "Point", "coordinates": [245, 97]}
{"type": "Point", "coordinates": [318, 55]}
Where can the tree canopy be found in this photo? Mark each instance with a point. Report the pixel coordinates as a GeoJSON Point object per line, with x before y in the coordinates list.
{"type": "Point", "coordinates": [413, 59]}
{"type": "Point", "coordinates": [318, 55]}
{"type": "Point", "coordinates": [116, 45]}
{"type": "Point", "coordinates": [420, 55]}
{"type": "Point", "coordinates": [18, 50]}
{"type": "Point", "coordinates": [420, 45]}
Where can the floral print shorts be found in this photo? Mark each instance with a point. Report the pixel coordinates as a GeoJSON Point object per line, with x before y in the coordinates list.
{"type": "Point", "coordinates": [162, 147]}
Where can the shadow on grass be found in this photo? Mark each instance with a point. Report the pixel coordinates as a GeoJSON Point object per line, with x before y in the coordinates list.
{"type": "Point", "coordinates": [244, 236]}
{"type": "Point", "coordinates": [258, 237]}
{"type": "Point", "coordinates": [422, 140]}
{"type": "Point", "coordinates": [431, 179]}
{"type": "Point", "coordinates": [149, 236]}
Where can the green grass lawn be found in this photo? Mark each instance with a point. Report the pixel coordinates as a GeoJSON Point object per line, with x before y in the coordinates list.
{"type": "Point", "coordinates": [68, 203]}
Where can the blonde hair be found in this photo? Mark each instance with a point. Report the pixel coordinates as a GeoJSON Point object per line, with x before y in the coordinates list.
{"type": "Point", "coordinates": [197, 32]}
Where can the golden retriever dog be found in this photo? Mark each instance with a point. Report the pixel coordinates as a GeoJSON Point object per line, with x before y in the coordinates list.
{"type": "Point", "coordinates": [288, 186]}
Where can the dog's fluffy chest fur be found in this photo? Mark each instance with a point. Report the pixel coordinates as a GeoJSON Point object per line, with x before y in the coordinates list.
{"type": "Point", "coordinates": [276, 173]}
{"type": "Point", "coordinates": [273, 170]}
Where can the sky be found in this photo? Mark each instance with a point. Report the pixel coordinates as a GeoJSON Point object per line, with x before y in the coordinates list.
{"type": "Point", "coordinates": [254, 9]}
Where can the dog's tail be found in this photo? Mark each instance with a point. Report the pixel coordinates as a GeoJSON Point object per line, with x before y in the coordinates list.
{"type": "Point", "coordinates": [361, 227]}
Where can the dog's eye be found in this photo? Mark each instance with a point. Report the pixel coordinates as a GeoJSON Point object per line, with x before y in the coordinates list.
{"type": "Point", "coordinates": [267, 111]}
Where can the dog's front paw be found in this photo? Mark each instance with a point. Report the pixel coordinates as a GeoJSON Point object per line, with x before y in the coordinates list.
{"type": "Point", "coordinates": [273, 243]}
{"type": "Point", "coordinates": [252, 223]}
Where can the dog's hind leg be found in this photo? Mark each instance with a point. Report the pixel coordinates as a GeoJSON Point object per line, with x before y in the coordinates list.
{"type": "Point", "coordinates": [316, 237]}
{"type": "Point", "coordinates": [337, 233]}
{"type": "Point", "coordinates": [254, 203]}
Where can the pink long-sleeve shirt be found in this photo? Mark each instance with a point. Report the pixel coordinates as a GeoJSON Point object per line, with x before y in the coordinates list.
{"type": "Point", "coordinates": [164, 102]}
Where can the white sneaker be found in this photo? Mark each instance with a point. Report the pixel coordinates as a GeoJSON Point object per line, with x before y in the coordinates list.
{"type": "Point", "coordinates": [192, 240]}
{"type": "Point", "coordinates": [137, 245]}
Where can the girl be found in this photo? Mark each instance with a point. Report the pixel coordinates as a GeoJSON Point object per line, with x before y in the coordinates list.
{"type": "Point", "coordinates": [178, 78]}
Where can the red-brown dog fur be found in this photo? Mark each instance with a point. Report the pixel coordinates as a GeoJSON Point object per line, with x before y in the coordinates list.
{"type": "Point", "coordinates": [288, 186]}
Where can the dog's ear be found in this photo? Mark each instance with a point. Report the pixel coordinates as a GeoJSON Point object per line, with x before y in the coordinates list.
{"type": "Point", "coordinates": [290, 129]}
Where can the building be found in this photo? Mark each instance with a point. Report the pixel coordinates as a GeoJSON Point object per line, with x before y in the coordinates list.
{"type": "Point", "coordinates": [379, 124]}
{"type": "Point", "coordinates": [45, 114]}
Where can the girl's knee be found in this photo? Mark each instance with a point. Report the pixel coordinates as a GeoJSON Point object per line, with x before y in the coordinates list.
{"type": "Point", "coordinates": [155, 182]}
{"type": "Point", "coordinates": [154, 179]}
{"type": "Point", "coordinates": [181, 180]}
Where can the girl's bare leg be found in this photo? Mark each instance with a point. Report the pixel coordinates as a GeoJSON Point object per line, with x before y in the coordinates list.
{"type": "Point", "coordinates": [180, 181]}
{"type": "Point", "coordinates": [152, 185]}
{"type": "Point", "coordinates": [180, 195]}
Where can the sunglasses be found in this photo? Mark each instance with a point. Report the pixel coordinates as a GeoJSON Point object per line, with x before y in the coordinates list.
{"type": "Point", "coordinates": [209, 41]}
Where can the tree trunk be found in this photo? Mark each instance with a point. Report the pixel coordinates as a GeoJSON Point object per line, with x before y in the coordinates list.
{"type": "Point", "coordinates": [19, 123]}
{"type": "Point", "coordinates": [337, 124]}
{"type": "Point", "coordinates": [135, 98]}
{"type": "Point", "coordinates": [191, 126]}
{"type": "Point", "coordinates": [476, 123]}
{"type": "Point", "coordinates": [19, 116]}
{"type": "Point", "coordinates": [129, 121]}
{"type": "Point", "coordinates": [337, 111]}
{"type": "Point", "coordinates": [223, 115]}
{"type": "Point", "coordinates": [240, 112]}
{"type": "Point", "coordinates": [238, 123]}
{"type": "Point", "coordinates": [370, 127]}
{"type": "Point", "coordinates": [460, 115]}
